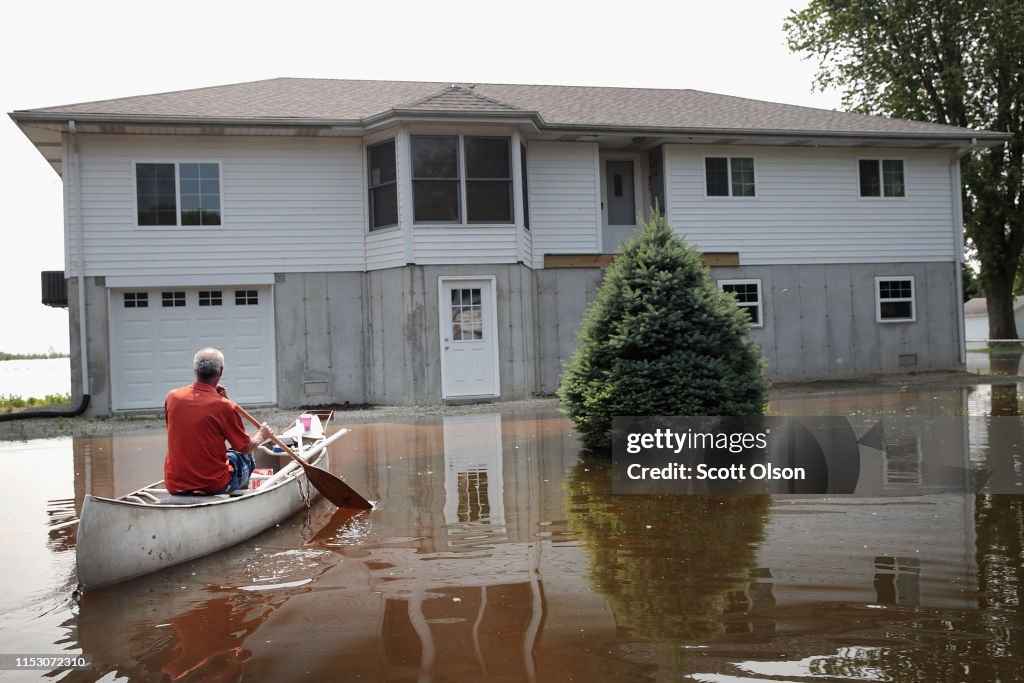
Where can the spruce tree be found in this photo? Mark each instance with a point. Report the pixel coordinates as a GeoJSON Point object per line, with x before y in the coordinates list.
{"type": "Point", "coordinates": [660, 338]}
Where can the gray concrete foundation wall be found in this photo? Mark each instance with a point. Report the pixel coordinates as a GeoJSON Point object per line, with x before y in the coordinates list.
{"type": "Point", "coordinates": [820, 320]}
{"type": "Point", "coordinates": [98, 345]}
{"type": "Point", "coordinates": [563, 295]}
{"type": "Point", "coordinates": [402, 334]}
{"type": "Point", "coordinates": [320, 338]}
{"type": "Point", "coordinates": [374, 337]}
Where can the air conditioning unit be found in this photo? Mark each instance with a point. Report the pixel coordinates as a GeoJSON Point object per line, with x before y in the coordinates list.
{"type": "Point", "coordinates": [55, 289]}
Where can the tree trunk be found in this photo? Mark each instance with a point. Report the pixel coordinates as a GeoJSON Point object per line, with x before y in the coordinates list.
{"type": "Point", "coordinates": [999, 300]}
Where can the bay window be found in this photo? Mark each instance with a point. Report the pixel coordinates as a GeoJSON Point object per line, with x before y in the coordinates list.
{"type": "Point", "coordinates": [461, 179]}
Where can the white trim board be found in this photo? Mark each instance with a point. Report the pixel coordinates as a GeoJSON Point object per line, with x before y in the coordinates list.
{"type": "Point", "coordinates": [188, 280]}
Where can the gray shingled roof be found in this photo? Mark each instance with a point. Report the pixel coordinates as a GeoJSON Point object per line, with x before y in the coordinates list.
{"type": "Point", "coordinates": [559, 106]}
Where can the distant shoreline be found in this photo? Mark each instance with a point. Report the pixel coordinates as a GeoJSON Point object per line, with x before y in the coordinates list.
{"type": "Point", "coordinates": [32, 356]}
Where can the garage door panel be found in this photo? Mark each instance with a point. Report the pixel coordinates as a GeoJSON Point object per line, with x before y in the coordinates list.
{"type": "Point", "coordinates": [152, 347]}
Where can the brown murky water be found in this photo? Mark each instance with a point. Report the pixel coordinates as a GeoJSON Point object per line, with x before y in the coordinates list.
{"type": "Point", "coordinates": [497, 554]}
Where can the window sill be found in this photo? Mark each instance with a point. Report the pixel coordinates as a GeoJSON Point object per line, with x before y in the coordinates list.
{"type": "Point", "coordinates": [178, 228]}
{"type": "Point", "coordinates": [881, 198]}
{"type": "Point", "coordinates": [730, 198]}
{"type": "Point", "coordinates": [464, 225]}
{"type": "Point", "coordinates": [384, 230]}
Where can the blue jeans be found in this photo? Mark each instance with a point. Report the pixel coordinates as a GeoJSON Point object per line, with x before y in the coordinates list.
{"type": "Point", "coordinates": [243, 465]}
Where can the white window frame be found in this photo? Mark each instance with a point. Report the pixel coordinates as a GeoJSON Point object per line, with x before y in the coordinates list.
{"type": "Point", "coordinates": [759, 304]}
{"type": "Point", "coordinates": [728, 159]}
{"type": "Point", "coordinates": [881, 180]}
{"type": "Point", "coordinates": [463, 198]}
{"type": "Point", "coordinates": [177, 193]}
{"type": "Point", "coordinates": [912, 298]}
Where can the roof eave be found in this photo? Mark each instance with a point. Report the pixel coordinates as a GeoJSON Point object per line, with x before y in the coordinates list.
{"type": "Point", "coordinates": [990, 138]}
{"type": "Point", "coordinates": [29, 117]}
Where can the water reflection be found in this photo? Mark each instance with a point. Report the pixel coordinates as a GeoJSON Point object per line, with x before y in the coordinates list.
{"type": "Point", "coordinates": [497, 554]}
{"type": "Point", "coordinates": [670, 566]}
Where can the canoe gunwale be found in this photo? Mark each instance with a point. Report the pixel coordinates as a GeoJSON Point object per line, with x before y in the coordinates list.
{"type": "Point", "coordinates": [215, 499]}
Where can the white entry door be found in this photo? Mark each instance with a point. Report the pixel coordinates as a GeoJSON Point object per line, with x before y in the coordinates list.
{"type": "Point", "coordinates": [469, 344]}
{"type": "Point", "coordinates": [154, 333]}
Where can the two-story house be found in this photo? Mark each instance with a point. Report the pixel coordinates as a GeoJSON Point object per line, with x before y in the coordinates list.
{"type": "Point", "coordinates": [407, 242]}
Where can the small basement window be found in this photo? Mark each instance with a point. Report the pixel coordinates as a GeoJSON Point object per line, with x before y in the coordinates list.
{"type": "Point", "coordinates": [748, 297]}
{"type": "Point", "coordinates": [894, 299]}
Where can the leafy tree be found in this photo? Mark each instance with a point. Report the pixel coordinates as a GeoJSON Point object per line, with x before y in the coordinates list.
{"type": "Point", "coordinates": [971, 284]}
{"type": "Point", "coordinates": [954, 62]}
{"type": "Point", "coordinates": [660, 339]}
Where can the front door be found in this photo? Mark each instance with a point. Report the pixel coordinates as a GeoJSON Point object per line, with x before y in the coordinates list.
{"type": "Point", "coordinates": [620, 189]}
{"type": "Point", "coordinates": [469, 345]}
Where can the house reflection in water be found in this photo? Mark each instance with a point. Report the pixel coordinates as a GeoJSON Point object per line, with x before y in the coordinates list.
{"type": "Point", "coordinates": [467, 600]}
{"type": "Point", "coordinates": [471, 623]}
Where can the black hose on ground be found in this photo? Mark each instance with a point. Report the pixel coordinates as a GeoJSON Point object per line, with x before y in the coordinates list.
{"type": "Point", "coordinates": [29, 414]}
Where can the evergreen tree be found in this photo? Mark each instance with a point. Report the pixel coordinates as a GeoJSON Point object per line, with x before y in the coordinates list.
{"type": "Point", "coordinates": [660, 339]}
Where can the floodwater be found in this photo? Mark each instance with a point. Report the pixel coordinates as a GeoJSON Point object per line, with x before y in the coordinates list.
{"type": "Point", "coordinates": [497, 553]}
{"type": "Point", "coordinates": [35, 378]}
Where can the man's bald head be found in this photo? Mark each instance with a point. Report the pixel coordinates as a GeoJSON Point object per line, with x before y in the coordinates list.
{"type": "Point", "coordinates": [208, 365]}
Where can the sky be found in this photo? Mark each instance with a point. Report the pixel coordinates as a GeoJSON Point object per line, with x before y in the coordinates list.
{"type": "Point", "coordinates": [65, 53]}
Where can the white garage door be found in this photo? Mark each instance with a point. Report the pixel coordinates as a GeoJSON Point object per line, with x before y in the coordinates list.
{"type": "Point", "coordinates": [154, 333]}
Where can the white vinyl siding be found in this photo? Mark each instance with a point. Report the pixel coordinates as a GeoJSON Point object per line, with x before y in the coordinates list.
{"type": "Point", "coordinates": [565, 199]}
{"type": "Point", "coordinates": [465, 244]}
{"type": "Point", "coordinates": [289, 205]}
{"type": "Point", "coordinates": [526, 248]}
{"type": "Point", "coordinates": [809, 208]}
{"type": "Point", "coordinates": [385, 249]}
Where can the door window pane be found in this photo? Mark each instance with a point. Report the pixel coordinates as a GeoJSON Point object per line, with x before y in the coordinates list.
{"type": "Point", "coordinates": [467, 315]}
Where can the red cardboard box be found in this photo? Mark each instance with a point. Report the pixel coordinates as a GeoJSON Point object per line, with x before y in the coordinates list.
{"type": "Point", "coordinates": [255, 483]}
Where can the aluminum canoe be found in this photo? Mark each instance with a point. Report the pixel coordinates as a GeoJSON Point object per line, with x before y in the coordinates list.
{"type": "Point", "coordinates": [120, 539]}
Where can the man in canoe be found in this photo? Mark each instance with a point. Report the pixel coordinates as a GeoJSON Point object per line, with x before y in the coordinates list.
{"type": "Point", "coordinates": [208, 449]}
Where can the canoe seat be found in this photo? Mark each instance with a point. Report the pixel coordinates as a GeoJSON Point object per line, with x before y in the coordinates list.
{"type": "Point", "coordinates": [190, 500]}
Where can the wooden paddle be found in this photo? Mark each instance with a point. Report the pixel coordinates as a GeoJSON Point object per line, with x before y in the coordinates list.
{"type": "Point", "coordinates": [332, 488]}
